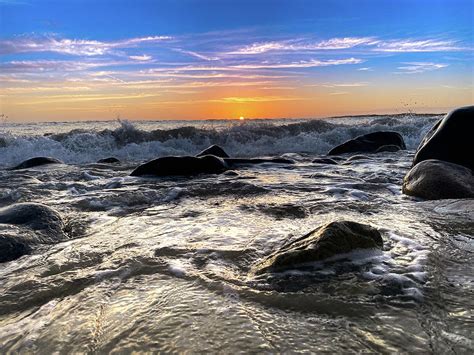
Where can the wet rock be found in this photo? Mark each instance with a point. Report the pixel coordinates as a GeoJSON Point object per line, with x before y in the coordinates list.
{"type": "Point", "coordinates": [231, 173]}
{"type": "Point", "coordinates": [357, 157]}
{"type": "Point", "coordinates": [436, 179]}
{"type": "Point", "coordinates": [388, 148]}
{"type": "Point", "coordinates": [110, 160]}
{"type": "Point", "coordinates": [182, 166]}
{"type": "Point", "coordinates": [25, 225]}
{"type": "Point", "coordinates": [235, 162]}
{"type": "Point", "coordinates": [327, 241]}
{"type": "Point", "coordinates": [325, 161]}
{"type": "Point", "coordinates": [38, 161]}
{"type": "Point", "coordinates": [450, 139]}
{"type": "Point", "coordinates": [369, 143]}
{"type": "Point", "coordinates": [214, 150]}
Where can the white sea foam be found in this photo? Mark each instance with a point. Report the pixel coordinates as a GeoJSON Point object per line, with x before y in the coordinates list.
{"type": "Point", "coordinates": [86, 143]}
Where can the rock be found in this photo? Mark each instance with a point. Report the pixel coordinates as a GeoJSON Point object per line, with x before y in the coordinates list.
{"type": "Point", "coordinates": [242, 161]}
{"type": "Point", "coordinates": [356, 157]}
{"type": "Point", "coordinates": [324, 242]}
{"type": "Point", "coordinates": [25, 225]}
{"type": "Point", "coordinates": [182, 166]}
{"type": "Point", "coordinates": [38, 161]}
{"type": "Point", "coordinates": [436, 179]}
{"type": "Point", "coordinates": [388, 148]}
{"type": "Point", "coordinates": [110, 160]}
{"type": "Point", "coordinates": [450, 139]}
{"type": "Point", "coordinates": [325, 161]}
{"type": "Point", "coordinates": [214, 150]}
{"type": "Point", "coordinates": [369, 143]}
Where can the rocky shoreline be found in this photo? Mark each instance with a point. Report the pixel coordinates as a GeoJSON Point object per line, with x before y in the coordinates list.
{"type": "Point", "coordinates": [441, 169]}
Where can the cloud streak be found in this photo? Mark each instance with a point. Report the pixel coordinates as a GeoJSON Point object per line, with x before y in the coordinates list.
{"type": "Point", "coordinates": [419, 67]}
{"type": "Point", "coordinates": [77, 47]}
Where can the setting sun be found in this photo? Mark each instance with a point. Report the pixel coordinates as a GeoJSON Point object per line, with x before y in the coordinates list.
{"type": "Point", "coordinates": [241, 118]}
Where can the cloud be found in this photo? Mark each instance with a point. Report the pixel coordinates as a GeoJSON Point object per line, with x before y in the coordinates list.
{"type": "Point", "coordinates": [78, 47]}
{"type": "Point", "coordinates": [197, 55]}
{"type": "Point", "coordinates": [419, 67]}
{"type": "Point", "coordinates": [141, 58]}
{"type": "Point", "coordinates": [301, 64]}
{"type": "Point", "coordinates": [341, 85]}
{"type": "Point", "coordinates": [365, 69]}
{"type": "Point", "coordinates": [372, 43]}
{"type": "Point", "coordinates": [256, 99]}
{"type": "Point", "coordinates": [298, 45]}
{"type": "Point", "coordinates": [428, 45]}
{"type": "Point", "coordinates": [41, 66]}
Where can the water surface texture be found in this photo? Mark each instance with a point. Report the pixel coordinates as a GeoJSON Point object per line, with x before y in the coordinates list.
{"type": "Point", "coordinates": [163, 264]}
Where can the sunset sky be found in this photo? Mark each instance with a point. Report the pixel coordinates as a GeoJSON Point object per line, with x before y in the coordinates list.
{"type": "Point", "coordinates": [81, 59]}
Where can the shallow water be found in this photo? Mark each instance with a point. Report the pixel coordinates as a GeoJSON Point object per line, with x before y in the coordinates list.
{"type": "Point", "coordinates": [163, 264]}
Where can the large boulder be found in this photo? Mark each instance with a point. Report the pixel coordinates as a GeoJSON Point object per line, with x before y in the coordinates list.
{"type": "Point", "coordinates": [214, 150]}
{"type": "Point", "coordinates": [451, 139]}
{"type": "Point", "coordinates": [369, 143]}
{"type": "Point", "coordinates": [25, 225]}
{"type": "Point", "coordinates": [436, 179]}
{"type": "Point", "coordinates": [38, 161]}
{"type": "Point", "coordinates": [325, 242]}
{"type": "Point", "coordinates": [182, 166]}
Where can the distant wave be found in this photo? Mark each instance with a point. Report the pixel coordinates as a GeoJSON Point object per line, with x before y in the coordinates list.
{"type": "Point", "coordinates": [264, 138]}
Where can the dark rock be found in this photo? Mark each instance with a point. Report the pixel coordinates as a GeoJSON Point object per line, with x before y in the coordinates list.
{"type": "Point", "coordinates": [231, 173]}
{"type": "Point", "coordinates": [436, 179]}
{"type": "Point", "coordinates": [25, 225]}
{"type": "Point", "coordinates": [369, 143]}
{"type": "Point", "coordinates": [450, 139]}
{"type": "Point", "coordinates": [325, 161]}
{"type": "Point", "coordinates": [214, 150]}
{"type": "Point", "coordinates": [38, 161]}
{"type": "Point", "coordinates": [388, 148]}
{"type": "Point", "coordinates": [110, 160]}
{"type": "Point", "coordinates": [242, 161]}
{"type": "Point", "coordinates": [182, 166]}
{"type": "Point", "coordinates": [357, 157]}
{"type": "Point", "coordinates": [325, 242]}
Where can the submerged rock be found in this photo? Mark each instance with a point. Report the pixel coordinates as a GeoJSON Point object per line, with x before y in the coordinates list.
{"type": "Point", "coordinates": [214, 150]}
{"type": "Point", "coordinates": [252, 161]}
{"type": "Point", "coordinates": [450, 139]}
{"type": "Point", "coordinates": [38, 161]}
{"type": "Point", "coordinates": [324, 242]}
{"type": "Point", "coordinates": [388, 148]}
{"type": "Point", "coordinates": [369, 143]}
{"type": "Point", "coordinates": [25, 225]}
{"type": "Point", "coordinates": [436, 179]}
{"type": "Point", "coordinates": [182, 166]}
{"type": "Point", "coordinates": [325, 161]}
{"type": "Point", "coordinates": [110, 160]}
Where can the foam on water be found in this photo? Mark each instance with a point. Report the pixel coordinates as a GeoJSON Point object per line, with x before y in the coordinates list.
{"type": "Point", "coordinates": [144, 140]}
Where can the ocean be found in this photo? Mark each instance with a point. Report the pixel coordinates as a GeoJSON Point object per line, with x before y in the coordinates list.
{"type": "Point", "coordinates": [162, 264]}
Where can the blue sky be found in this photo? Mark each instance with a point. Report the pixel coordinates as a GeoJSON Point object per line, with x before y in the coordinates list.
{"type": "Point", "coordinates": [208, 59]}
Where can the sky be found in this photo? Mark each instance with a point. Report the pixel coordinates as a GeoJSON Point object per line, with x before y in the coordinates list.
{"type": "Point", "coordinates": [210, 59]}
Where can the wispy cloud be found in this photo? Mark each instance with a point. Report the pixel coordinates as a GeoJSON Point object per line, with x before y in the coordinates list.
{"type": "Point", "coordinates": [369, 43]}
{"type": "Point", "coordinates": [256, 99]}
{"type": "Point", "coordinates": [341, 85]}
{"type": "Point", "coordinates": [301, 64]}
{"type": "Point", "coordinates": [197, 55]}
{"type": "Point", "coordinates": [408, 45]}
{"type": "Point", "coordinates": [299, 45]}
{"type": "Point", "coordinates": [141, 58]}
{"type": "Point", "coordinates": [79, 47]}
{"type": "Point", "coordinates": [419, 67]}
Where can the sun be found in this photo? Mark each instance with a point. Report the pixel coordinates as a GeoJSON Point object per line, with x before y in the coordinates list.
{"type": "Point", "coordinates": [241, 118]}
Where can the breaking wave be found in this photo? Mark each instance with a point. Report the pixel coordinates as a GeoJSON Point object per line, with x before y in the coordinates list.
{"type": "Point", "coordinates": [129, 142]}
